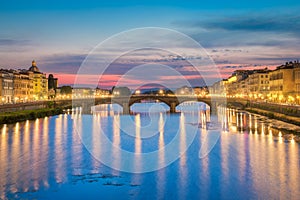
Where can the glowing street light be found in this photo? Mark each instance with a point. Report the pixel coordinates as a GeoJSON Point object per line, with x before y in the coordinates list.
{"type": "Point", "coordinates": [116, 93]}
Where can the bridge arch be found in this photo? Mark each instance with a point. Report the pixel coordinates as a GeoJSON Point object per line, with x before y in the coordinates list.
{"type": "Point", "coordinates": [163, 99]}
{"type": "Point", "coordinates": [171, 101]}
{"type": "Point", "coordinates": [139, 99]}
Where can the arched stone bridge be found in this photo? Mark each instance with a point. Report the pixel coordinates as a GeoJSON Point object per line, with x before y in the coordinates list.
{"type": "Point", "coordinates": [126, 101]}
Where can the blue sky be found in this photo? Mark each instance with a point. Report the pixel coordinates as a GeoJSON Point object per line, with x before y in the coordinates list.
{"type": "Point", "coordinates": [236, 34]}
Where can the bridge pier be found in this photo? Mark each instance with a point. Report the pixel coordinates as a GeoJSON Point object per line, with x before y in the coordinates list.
{"type": "Point", "coordinates": [86, 108]}
{"type": "Point", "coordinates": [172, 107]}
{"type": "Point", "coordinates": [126, 108]}
{"type": "Point", "coordinates": [213, 108]}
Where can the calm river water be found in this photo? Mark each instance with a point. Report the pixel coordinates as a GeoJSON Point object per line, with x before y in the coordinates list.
{"type": "Point", "coordinates": [192, 155]}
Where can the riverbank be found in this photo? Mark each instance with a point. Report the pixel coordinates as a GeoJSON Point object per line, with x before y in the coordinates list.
{"type": "Point", "coordinates": [268, 112]}
{"type": "Point", "coordinates": [18, 116]}
{"type": "Point", "coordinates": [282, 118]}
{"type": "Point", "coordinates": [274, 115]}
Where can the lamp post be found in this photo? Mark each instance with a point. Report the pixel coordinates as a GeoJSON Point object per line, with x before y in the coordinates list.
{"type": "Point", "coordinates": [161, 92]}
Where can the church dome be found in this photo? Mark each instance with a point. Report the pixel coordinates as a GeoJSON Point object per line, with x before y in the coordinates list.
{"type": "Point", "coordinates": [33, 67]}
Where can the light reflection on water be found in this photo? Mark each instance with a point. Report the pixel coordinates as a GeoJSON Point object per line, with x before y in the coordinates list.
{"type": "Point", "coordinates": [45, 159]}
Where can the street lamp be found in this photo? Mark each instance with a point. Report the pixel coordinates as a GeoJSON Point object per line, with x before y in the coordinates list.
{"type": "Point", "coordinates": [291, 99]}
{"type": "Point", "coordinates": [116, 93]}
{"type": "Point", "coordinates": [281, 98]}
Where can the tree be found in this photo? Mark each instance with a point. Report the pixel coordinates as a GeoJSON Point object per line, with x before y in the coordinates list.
{"type": "Point", "coordinates": [66, 90]}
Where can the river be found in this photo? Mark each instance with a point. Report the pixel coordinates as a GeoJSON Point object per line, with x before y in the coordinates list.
{"type": "Point", "coordinates": [148, 155]}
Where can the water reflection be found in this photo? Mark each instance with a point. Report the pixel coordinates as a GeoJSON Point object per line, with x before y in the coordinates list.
{"type": "Point", "coordinates": [251, 160]}
{"type": "Point", "coordinates": [138, 162]}
{"type": "Point", "coordinates": [116, 142]}
{"type": "Point", "coordinates": [105, 110]}
{"type": "Point", "coordinates": [161, 159]}
{"type": "Point", "coordinates": [182, 160]}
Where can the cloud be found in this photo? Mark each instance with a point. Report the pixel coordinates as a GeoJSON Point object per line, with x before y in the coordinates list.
{"type": "Point", "coordinates": [61, 63]}
{"type": "Point", "coordinates": [282, 59]}
{"type": "Point", "coordinates": [8, 46]}
{"type": "Point", "coordinates": [226, 50]}
{"type": "Point", "coordinates": [260, 21]}
{"type": "Point", "coordinates": [10, 42]}
{"type": "Point", "coordinates": [232, 67]}
{"type": "Point", "coordinates": [270, 28]}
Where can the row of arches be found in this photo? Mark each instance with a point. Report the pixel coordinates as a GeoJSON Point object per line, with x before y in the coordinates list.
{"type": "Point", "coordinates": [142, 107]}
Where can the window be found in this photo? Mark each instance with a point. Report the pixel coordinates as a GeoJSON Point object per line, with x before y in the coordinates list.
{"type": "Point", "coordinates": [298, 87]}
{"type": "Point", "coordinates": [297, 75]}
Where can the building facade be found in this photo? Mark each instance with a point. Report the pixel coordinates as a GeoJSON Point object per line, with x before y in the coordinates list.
{"type": "Point", "coordinates": [258, 84]}
{"type": "Point", "coordinates": [219, 88]}
{"type": "Point", "coordinates": [40, 83]}
{"type": "Point", "coordinates": [22, 87]}
{"type": "Point", "coordinates": [18, 86]}
{"type": "Point", "coordinates": [282, 83]}
{"type": "Point", "coordinates": [279, 85]}
{"type": "Point", "coordinates": [6, 86]}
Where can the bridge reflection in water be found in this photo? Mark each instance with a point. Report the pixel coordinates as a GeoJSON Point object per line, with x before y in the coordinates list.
{"type": "Point", "coordinates": [45, 158]}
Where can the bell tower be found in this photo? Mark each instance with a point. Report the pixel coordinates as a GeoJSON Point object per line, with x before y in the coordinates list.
{"type": "Point", "coordinates": [33, 63]}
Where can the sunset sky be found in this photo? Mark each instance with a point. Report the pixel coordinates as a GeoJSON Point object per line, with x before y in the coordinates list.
{"type": "Point", "coordinates": [60, 34]}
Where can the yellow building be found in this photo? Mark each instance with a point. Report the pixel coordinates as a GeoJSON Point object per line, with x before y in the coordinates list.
{"type": "Point", "coordinates": [242, 88]}
{"type": "Point", "coordinates": [219, 88]}
{"type": "Point", "coordinates": [40, 83]}
{"type": "Point", "coordinates": [201, 91]}
{"type": "Point", "coordinates": [22, 87]}
{"type": "Point", "coordinates": [282, 83]}
{"type": "Point", "coordinates": [30, 86]}
{"type": "Point", "coordinates": [279, 85]}
{"type": "Point", "coordinates": [101, 92]}
{"type": "Point", "coordinates": [297, 84]}
{"type": "Point", "coordinates": [6, 86]}
{"type": "Point", "coordinates": [258, 84]}
{"type": "Point", "coordinates": [235, 86]}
